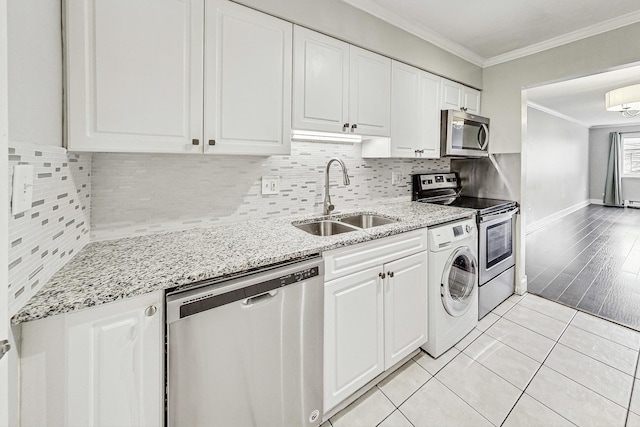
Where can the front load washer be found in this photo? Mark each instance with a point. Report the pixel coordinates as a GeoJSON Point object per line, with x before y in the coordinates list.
{"type": "Point", "coordinates": [453, 284]}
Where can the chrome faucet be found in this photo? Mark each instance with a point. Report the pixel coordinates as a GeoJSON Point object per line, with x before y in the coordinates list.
{"type": "Point", "coordinates": [328, 207]}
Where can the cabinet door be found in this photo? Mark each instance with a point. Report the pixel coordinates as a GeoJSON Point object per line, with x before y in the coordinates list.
{"type": "Point", "coordinates": [353, 334]}
{"type": "Point", "coordinates": [451, 95]}
{"type": "Point", "coordinates": [405, 104]}
{"type": "Point", "coordinates": [471, 100]}
{"type": "Point", "coordinates": [134, 75]}
{"type": "Point", "coordinates": [369, 93]}
{"type": "Point", "coordinates": [320, 81]}
{"type": "Point", "coordinates": [405, 307]}
{"type": "Point", "coordinates": [247, 82]}
{"type": "Point", "coordinates": [115, 364]}
{"type": "Point", "coordinates": [429, 141]}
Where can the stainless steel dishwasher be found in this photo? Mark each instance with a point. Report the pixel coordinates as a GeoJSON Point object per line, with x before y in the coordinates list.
{"type": "Point", "coordinates": [248, 351]}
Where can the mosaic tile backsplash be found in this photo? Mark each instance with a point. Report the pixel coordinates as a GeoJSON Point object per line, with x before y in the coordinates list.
{"type": "Point", "coordinates": [45, 237]}
{"type": "Point", "coordinates": [137, 194]}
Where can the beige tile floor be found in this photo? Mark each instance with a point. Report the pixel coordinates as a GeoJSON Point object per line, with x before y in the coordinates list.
{"type": "Point", "coordinates": [531, 362]}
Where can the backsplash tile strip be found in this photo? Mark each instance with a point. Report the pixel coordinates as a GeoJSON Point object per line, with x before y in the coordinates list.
{"type": "Point", "coordinates": [37, 234]}
{"type": "Point", "coordinates": [138, 194]}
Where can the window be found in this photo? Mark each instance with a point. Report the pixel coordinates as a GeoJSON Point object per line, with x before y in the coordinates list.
{"type": "Point", "coordinates": [631, 154]}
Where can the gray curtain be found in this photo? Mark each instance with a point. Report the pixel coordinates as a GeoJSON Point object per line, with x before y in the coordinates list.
{"type": "Point", "coordinates": [613, 184]}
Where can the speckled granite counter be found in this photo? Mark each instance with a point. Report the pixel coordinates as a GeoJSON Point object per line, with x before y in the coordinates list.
{"type": "Point", "coordinates": [107, 271]}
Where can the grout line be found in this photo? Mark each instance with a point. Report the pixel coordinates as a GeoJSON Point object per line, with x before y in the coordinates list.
{"type": "Point", "coordinates": [534, 375]}
{"type": "Point", "coordinates": [460, 397]}
{"type": "Point", "coordinates": [633, 386]}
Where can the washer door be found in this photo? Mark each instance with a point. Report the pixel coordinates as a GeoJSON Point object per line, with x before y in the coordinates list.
{"type": "Point", "coordinates": [458, 281]}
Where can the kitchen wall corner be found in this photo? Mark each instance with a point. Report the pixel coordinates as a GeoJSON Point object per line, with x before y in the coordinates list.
{"type": "Point", "coordinates": [47, 236]}
{"type": "Point", "coordinates": [137, 194]}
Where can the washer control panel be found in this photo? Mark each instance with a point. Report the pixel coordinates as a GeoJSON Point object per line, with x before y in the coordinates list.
{"type": "Point", "coordinates": [444, 236]}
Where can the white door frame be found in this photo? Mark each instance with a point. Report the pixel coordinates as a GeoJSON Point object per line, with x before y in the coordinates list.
{"type": "Point", "coordinates": [4, 223]}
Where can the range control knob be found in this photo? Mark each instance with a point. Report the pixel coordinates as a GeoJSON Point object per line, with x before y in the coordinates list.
{"type": "Point", "coordinates": [468, 228]}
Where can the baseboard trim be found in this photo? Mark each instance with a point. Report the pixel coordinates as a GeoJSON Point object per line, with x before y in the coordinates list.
{"type": "Point", "coordinates": [541, 223]}
{"type": "Point", "coordinates": [596, 201]}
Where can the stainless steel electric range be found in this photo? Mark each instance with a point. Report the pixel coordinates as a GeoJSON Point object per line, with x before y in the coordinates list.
{"type": "Point", "coordinates": [496, 237]}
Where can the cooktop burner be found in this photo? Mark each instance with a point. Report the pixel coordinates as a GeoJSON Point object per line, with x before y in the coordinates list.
{"type": "Point", "coordinates": [444, 189]}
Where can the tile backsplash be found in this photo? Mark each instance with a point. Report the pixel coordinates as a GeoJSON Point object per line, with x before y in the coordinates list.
{"type": "Point", "coordinates": [45, 237]}
{"type": "Point", "coordinates": [136, 194]}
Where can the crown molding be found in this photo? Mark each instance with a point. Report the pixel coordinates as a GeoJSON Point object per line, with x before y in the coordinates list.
{"type": "Point", "coordinates": [635, 125]}
{"type": "Point", "coordinates": [468, 55]}
{"type": "Point", "coordinates": [557, 114]}
{"type": "Point", "coordinates": [602, 27]}
{"type": "Point", "coordinates": [420, 31]}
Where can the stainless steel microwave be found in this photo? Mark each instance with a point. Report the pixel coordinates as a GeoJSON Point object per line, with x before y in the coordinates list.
{"type": "Point", "coordinates": [464, 135]}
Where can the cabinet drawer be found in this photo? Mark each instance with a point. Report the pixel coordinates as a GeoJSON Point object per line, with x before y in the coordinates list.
{"type": "Point", "coordinates": [343, 261]}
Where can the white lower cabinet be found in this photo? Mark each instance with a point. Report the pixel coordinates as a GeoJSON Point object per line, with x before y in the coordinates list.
{"type": "Point", "coordinates": [353, 334]}
{"type": "Point", "coordinates": [374, 317]}
{"type": "Point", "coordinates": [405, 307]}
{"type": "Point", "coordinates": [100, 366]}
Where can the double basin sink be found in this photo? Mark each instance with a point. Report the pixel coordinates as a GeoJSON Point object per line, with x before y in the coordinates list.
{"type": "Point", "coordinates": [345, 224]}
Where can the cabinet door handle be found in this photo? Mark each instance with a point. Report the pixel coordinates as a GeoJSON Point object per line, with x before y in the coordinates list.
{"type": "Point", "coordinates": [464, 109]}
{"type": "Point", "coordinates": [391, 274]}
{"type": "Point", "coordinates": [354, 127]}
{"type": "Point", "coordinates": [195, 141]}
{"type": "Point", "coordinates": [382, 275]}
{"type": "Point", "coordinates": [4, 348]}
{"type": "Point", "coordinates": [212, 142]}
{"type": "Point", "coordinates": [150, 311]}
{"type": "Point", "coordinates": [345, 127]}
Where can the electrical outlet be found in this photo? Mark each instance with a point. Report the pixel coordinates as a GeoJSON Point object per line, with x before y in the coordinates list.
{"type": "Point", "coordinates": [270, 184]}
{"type": "Point", "coordinates": [397, 178]}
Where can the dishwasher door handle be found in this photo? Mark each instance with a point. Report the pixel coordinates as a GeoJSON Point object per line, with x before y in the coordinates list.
{"type": "Point", "coordinates": [260, 297]}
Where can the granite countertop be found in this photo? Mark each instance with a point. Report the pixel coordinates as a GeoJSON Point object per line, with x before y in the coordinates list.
{"type": "Point", "coordinates": [107, 271]}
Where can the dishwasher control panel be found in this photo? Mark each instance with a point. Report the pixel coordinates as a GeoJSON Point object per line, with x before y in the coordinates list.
{"type": "Point", "coordinates": [252, 291]}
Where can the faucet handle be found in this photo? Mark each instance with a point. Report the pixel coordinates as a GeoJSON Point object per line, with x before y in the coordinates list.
{"type": "Point", "coordinates": [330, 208]}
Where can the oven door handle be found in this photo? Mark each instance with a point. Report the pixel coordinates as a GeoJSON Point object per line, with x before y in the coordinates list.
{"type": "Point", "coordinates": [498, 216]}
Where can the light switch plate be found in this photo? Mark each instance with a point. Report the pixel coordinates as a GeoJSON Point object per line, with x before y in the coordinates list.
{"type": "Point", "coordinates": [22, 189]}
{"type": "Point", "coordinates": [270, 184]}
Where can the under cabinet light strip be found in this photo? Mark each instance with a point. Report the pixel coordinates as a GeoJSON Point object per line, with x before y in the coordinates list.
{"type": "Point", "coordinates": [305, 135]}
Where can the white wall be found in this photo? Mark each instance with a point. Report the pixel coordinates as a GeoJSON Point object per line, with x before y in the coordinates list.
{"type": "Point", "coordinates": [503, 83]}
{"type": "Point", "coordinates": [35, 72]}
{"type": "Point", "coordinates": [343, 21]}
{"type": "Point", "coordinates": [598, 159]}
{"type": "Point", "coordinates": [557, 166]}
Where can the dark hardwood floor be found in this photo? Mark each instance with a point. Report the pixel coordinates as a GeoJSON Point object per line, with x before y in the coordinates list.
{"type": "Point", "coordinates": [589, 260]}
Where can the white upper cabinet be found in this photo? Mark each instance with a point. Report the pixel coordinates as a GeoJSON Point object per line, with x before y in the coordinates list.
{"type": "Point", "coordinates": [139, 80]}
{"type": "Point", "coordinates": [369, 93]}
{"type": "Point", "coordinates": [460, 97]}
{"type": "Point", "coordinates": [405, 101]}
{"type": "Point", "coordinates": [430, 116]}
{"type": "Point", "coordinates": [320, 82]}
{"type": "Point", "coordinates": [338, 87]}
{"type": "Point", "coordinates": [415, 116]}
{"type": "Point", "coordinates": [248, 61]}
{"type": "Point", "coordinates": [134, 75]}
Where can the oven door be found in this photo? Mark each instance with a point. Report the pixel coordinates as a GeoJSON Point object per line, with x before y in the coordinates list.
{"type": "Point", "coordinates": [496, 244]}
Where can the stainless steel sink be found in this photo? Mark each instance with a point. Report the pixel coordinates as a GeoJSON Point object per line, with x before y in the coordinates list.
{"type": "Point", "coordinates": [325, 228]}
{"type": "Point", "coordinates": [367, 220]}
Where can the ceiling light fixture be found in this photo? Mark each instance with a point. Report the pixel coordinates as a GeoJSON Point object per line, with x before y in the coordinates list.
{"type": "Point", "coordinates": [625, 99]}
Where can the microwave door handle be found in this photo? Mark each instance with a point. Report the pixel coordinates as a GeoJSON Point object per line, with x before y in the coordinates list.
{"type": "Point", "coordinates": [483, 145]}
